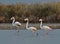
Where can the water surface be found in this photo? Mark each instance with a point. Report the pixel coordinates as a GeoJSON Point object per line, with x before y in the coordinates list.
{"type": "Point", "coordinates": [26, 37]}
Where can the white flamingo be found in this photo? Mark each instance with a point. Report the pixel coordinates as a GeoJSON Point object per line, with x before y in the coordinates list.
{"type": "Point", "coordinates": [44, 27]}
{"type": "Point", "coordinates": [33, 29]}
{"type": "Point", "coordinates": [15, 23]}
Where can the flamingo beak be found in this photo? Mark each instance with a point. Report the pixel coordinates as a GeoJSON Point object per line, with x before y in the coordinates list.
{"type": "Point", "coordinates": [24, 19]}
{"type": "Point", "coordinates": [39, 19]}
{"type": "Point", "coordinates": [11, 19]}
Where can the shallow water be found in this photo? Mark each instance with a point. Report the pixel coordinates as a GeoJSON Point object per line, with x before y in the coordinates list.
{"type": "Point", "coordinates": [26, 37]}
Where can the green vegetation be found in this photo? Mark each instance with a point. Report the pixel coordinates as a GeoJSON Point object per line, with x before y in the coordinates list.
{"type": "Point", "coordinates": [49, 12]}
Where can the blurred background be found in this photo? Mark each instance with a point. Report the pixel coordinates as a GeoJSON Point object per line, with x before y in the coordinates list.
{"type": "Point", "coordinates": [48, 10]}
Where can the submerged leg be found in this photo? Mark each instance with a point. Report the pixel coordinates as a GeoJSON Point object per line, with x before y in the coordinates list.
{"type": "Point", "coordinates": [37, 34]}
{"type": "Point", "coordinates": [18, 30]}
{"type": "Point", "coordinates": [47, 32]}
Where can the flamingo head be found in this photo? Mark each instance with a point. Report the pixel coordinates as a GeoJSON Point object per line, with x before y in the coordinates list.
{"type": "Point", "coordinates": [26, 19]}
{"type": "Point", "coordinates": [40, 19]}
{"type": "Point", "coordinates": [12, 18]}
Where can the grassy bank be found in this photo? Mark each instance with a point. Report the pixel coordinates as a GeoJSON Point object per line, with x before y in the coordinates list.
{"type": "Point", "coordinates": [49, 12]}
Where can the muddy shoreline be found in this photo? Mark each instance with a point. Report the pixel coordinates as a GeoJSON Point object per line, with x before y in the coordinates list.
{"type": "Point", "coordinates": [8, 26]}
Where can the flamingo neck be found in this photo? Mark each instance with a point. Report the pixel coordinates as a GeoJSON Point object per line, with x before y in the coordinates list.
{"type": "Point", "coordinates": [13, 21]}
{"type": "Point", "coordinates": [27, 25]}
{"type": "Point", "coordinates": [41, 24]}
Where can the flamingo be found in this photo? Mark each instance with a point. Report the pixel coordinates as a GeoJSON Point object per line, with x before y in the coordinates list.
{"type": "Point", "coordinates": [33, 29]}
{"type": "Point", "coordinates": [44, 27]}
{"type": "Point", "coordinates": [15, 23]}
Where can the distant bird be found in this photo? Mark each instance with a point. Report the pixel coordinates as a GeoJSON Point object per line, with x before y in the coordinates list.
{"type": "Point", "coordinates": [44, 27]}
{"type": "Point", "coordinates": [33, 29]}
{"type": "Point", "coordinates": [15, 23]}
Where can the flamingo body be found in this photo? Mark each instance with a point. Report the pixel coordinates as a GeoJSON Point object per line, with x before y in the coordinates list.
{"type": "Point", "coordinates": [33, 29]}
{"type": "Point", "coordinates": [44, 27]}
{"type": "Point", "coordinates": [15, 23]}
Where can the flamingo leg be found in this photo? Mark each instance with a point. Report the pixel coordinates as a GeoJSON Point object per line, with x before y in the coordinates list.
{"type": "Point", "coordinates": [17, 29]}
{"type": "Point", "coordinates": [47, 32]}
{"type": "Point", "coordinates": [37, 34]}
{"type": "Point", "coordinates": [34, 33]}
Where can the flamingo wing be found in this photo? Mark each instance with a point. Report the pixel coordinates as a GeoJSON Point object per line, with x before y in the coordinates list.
{"type": "Point", "coordinates": [46, 27]}
{"type": "Point", "coordinates": [18, 23]}
{"type": "Point", "coordinates": [33, 28]}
